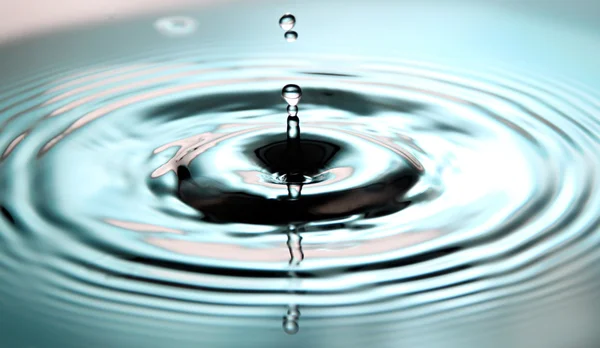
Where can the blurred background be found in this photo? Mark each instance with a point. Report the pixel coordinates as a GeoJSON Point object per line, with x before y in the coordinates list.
{"type": "Point", "coordinates": [27, 17]}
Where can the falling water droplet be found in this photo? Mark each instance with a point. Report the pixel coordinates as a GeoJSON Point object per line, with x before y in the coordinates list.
{"type": "Point", "coordinates": [291, 94]}
{"type": "Point", "coordinates": [287, 21]}
{"type": "Point", "coordinates": [292, 110]}
{"type": "Point", "coordinates": [290, 36]}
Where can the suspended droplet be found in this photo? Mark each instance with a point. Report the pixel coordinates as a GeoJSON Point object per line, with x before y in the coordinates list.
{"type": "Point", "coordinates": [291, 94]}
{"type": "Point", "coordinates": [287, 21]}
{"type": "Point", "coordinates": [292, 110]}
{"type": "Point", "coordinates": [290, 36]}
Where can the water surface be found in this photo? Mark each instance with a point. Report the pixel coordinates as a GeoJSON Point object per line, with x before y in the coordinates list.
{"type": "Point", "coordinates": [448, 198]}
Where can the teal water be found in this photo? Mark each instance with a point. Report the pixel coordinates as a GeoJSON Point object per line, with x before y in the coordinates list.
{"type": "Point", "coordinates": [441, 188]}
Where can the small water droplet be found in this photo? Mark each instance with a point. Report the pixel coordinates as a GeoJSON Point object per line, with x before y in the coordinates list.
{"type": "Point", "coordinates": [290, 36]}
{"type": "Point", "coordinates": [291, 94]}
{"type": "Point", "coordinates": [292, 110]}
{"type": "Point", "coordinates": [287, 21]}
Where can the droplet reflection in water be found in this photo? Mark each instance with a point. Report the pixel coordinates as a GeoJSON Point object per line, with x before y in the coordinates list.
{"type": "Point", "coordinates": [294, 244]}
{"type": "Point", "coordinates": [290, 326]}
{"type": "Point", "coordinates": [292, 94]}
{"type": "Point", "coordinates": [287, 21]}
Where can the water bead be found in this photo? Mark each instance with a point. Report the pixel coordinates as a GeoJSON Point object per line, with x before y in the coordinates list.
{"type": "Point", "coordinates": [291, 36]}
{"type": "Point", "coordinates": [292, 110]}
{"type": "Point", "coordinates": [292, 94]}
{"type": "Point", "coordinates": [287, 21]}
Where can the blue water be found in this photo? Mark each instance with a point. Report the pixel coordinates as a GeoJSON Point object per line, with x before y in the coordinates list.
{"type": "Point", "coordinates": [441, 189]}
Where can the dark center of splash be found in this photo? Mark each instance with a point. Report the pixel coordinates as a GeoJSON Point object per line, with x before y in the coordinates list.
{"type": "Point", "coordinates": [317, 162]}
{"type": "Point", "coordinates": [307, 161]}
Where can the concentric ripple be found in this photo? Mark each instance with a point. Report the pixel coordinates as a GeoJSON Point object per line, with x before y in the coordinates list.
{"type": "Point", "coordinates": [436, 197]}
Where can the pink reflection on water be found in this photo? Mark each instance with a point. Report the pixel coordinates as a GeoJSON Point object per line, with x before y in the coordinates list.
{"type": "Point", "coordinates": [280, 252]}
{"type": "Point", "coordinates": [222, 251]}
{"type": "Point", "coordinates": [127, 87]}
{"type": "Point", "coordinates": [13, 144]}
{"type": "Point", "coordinates": [142, 227]}
{"type": "Point", "coordinates": [105, 80]}
{"type": "Point", "coordinates": [370, 247]}
{"type": "Point", "coordinates": [104, 110]}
